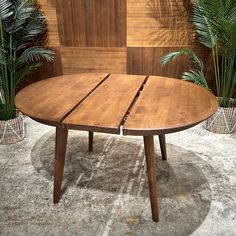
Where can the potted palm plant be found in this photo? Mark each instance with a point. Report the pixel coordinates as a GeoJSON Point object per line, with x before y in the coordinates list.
{"type": "Point", "coordinates": [22, 50]}
{"type": "Point", "coordinates": [215, 22]}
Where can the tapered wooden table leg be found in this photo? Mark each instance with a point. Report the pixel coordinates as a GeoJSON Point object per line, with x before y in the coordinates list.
{"type": "Point", "coordinates": [162, 140]}
{"type": "Point", "coordinates": [60, 152]}
{"type": "Point", "coordinates": [90, 141]}
{"type": "Point", "coordinates": [151, 171]}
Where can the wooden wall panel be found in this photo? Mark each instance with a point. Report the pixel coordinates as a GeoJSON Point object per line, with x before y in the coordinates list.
{"type": "Point", "coordinates": [75, 60]}
{"type": "Point", "coordinates": [147, 61]}
{"type": "Point", "coordinates": [92, 23]}
{"type": "Point", "coordinates": [119, 36]}
{"type": "Point", "coordinates": [158, 23]}
{"type": "Point", "coordinates": [49, 10]}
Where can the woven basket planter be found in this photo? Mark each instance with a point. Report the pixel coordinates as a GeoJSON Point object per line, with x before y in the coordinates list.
{"type": "Point", "coordinates": [12, 131]}
{"type": "Point", "coordinates": [223, 121]}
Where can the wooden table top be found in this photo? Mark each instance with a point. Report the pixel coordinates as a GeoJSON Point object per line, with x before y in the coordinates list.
{"type": "Point", "coordinates": [140, 105]}
{"type": "Point", "coordinates": [107, 105]}
{"type": "Point", "coordinates": [167, 105]}
{"type": "Point", "coordinates": [50, 100]}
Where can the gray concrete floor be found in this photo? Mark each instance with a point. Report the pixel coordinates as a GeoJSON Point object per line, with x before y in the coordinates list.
{"type": "Point", "coordinates": [106, 191]}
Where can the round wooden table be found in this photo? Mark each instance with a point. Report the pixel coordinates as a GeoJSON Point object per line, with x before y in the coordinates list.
{"type": "Point", "coordinates": [118, 104]}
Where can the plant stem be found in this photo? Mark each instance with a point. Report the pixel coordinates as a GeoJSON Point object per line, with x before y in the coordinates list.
{"type": "Point", "coordinates": [11, 81]}
{"type": "Point", "coordinates": [5, 76]}
{"type": "Point", "coordinates": [215, 71]}
{"type": "Point", "coordinates": [232, 79]}
{"type": "Point", "coordinates": [218, 69]}
{"type": "Point", "coordinates": [223, 75]}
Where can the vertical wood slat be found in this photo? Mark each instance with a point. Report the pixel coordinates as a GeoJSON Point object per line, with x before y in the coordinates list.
{"type": "Point", "coordinates": [89, 23]}
{"type": "Point", "coordinates": [147, 61]}
{"type": "Point", "coordinates": [49, 9]}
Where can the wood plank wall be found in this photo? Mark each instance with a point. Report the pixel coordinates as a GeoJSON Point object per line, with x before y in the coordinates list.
{"type": "Point", "coordinates": [118, 36]}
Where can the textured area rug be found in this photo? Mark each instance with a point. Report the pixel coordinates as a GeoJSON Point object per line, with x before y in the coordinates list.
{"type": "Point", "coordinates": [105, 192]}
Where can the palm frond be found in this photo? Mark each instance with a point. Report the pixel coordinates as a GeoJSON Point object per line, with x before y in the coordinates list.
{"type": "Point", "coordinates": [22, 13]}
{"type": "Point", "coordinates": [202, 25]}
{"type": "Point", "coordinates": [172, 56]}
{"type": "Point", "coordinates": [25, 71]}
{"type": "Point", "coordinates": [22, 42]}
{"type": "Point", "coordinates": [215, 23]}
{"type": "Point", "coordinates": [34, 54]}
{"type": "Point", "coordinates": [33, 27]}
{"type": "Point", "coordinates": [196, 76]}
{"type": "Point", "coordinates": [5, 9]}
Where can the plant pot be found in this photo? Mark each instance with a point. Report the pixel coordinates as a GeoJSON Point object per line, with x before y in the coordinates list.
{"type": "Point", "coordinates": [13, 130]}
{"type": "Point", "coordinates": [223, 121]}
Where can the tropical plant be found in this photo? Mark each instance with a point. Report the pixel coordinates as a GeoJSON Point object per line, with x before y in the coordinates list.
{"type": "Point", "coordinates": [215, 23]}
{"type": "Point", "coordinates": [22, 48]}
{"type": "Point", "coordinates": [196, 75]}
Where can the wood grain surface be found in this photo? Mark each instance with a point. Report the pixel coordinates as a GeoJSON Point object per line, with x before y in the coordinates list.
{"type": "Point", "coordinates": [168, 105]}
{"type": "Point", "coordinates": [98, 103]}
{"type": "Point", "coordinates": [158, 23]}
{"type": "Point", "coordinates": [60, 151]}
{"type": "Point", "coordinates": [49, 9]}
{"type": "Point", "coordinates": [51, 99]}
{"type": "Point", "coordinates": [159, 106]}
{"type": "Point", "coordinates": [105, 109]}
{"type": "Point", "coordinates": [93, 59]}
{"type": "Point", "coordinates": [92, 23]}
{"type": "Point", "coordinates": [152, 178]}
{"type": "Point", "coordinates": [119, 36]}
{"type": "Point", "coordinates": [147, 61]}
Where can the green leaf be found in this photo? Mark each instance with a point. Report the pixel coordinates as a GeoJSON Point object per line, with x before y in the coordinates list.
{"type": "Point", "coordinates": [202, 24]}
{"type": "Point", "coordinates": [196, 76]}
{"type": "Point", "coordinates": [22, 41]}
{"type": "Point", "coordinates": [34, 54]}
{"type": "Point", "coordinates": [172, 56]}
{"type": "Point", "coordinates": [5, 9]}
{"type": "Point", "coordinates": [22, 13]}
{"type": "Point", "coordinates": [20, 74]}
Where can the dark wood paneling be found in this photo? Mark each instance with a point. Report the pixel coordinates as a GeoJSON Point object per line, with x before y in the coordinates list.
{"type": "Point", "coordinates": [92, 59]}
{"type": "Point", "coordinates": [147, 61]}
{"type": "Point", "coordinates": [92, 23]}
